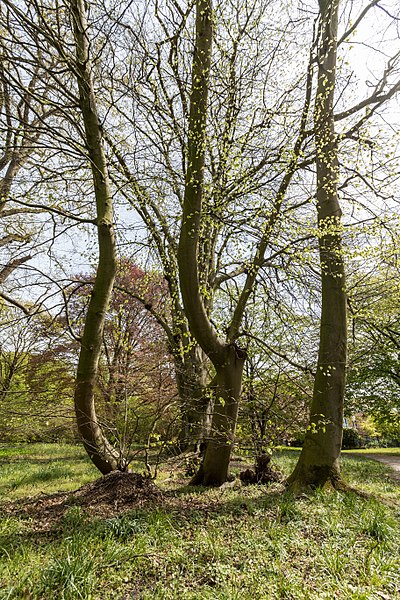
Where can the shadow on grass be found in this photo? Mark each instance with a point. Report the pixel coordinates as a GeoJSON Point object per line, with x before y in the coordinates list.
{"type": "Point", "coordinates": [183, 507]}
{"type": "Point", "coordinates": [174, 514]}
{"type": "Point", "coordinates": [50, 475]}
{"type": "Point", "coordinates": [172, 511]}
{"type": "Point", "coordinates": [365, 469]}
{"type": "Point", "coordinates": [39, 460]}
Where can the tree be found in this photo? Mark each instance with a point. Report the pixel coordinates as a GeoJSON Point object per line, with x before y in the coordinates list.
{"type": "Point", "coordinates": [275, 406]}
{"type": "Point", "coordinates": [277, 384]}
{"type": "Point", "coordinates": [319, 459]}
{"type": "Point", "coordinates": [374, 375]}
{"type": "Point", "coordinates": [38, 124]}
{"type": "Point", "coordinates": [36, 380]}
{"type": "Point", "coordinates": [21, 119]}
{"type": "Point", "coordinates": [135, 393]}
{"type": "Point", "coordinates": [96, 444]}
{"type": "Point", "coordinates": [250, 161]}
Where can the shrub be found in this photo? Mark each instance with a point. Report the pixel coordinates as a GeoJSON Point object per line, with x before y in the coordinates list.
{"type": "Point", "coordinates": [351, 439]}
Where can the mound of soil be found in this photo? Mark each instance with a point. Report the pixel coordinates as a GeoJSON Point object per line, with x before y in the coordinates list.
{"type": "Point", "coordinates": [117, 489]}
{"type": "Point", "coordinates": [106, 497]}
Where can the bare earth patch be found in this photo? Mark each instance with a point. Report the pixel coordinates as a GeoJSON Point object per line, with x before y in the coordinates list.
{"type": "Point", "coordinates": [117, 490]}
{"type": "Point", "coordinates": [112, 495]}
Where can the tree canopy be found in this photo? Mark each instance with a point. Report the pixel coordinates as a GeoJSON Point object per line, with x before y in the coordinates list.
{"type": "Point", "coordinates": [238, 164]}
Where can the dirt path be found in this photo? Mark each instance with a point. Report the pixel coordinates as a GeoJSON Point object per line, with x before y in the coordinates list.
{"type": "Point", "coordinates": [391, 460]}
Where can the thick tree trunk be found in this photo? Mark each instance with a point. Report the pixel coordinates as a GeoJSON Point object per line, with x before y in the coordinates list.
{"type": "Point", "coordinates": [319, 459]}
{"type": "Point", "coordinates": [227, 389]}
{"type": "Point", "coordinates": [192, 378]}
{"type": "Point", "coordinates": [226, 357]}
{"type": "Point", "coordinates": [99, 449]}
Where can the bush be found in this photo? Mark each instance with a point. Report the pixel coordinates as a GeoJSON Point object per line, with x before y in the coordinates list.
{"type": "Point", "coordinates": [351, 439]}
{"type": "Point", "coordinates": [298, 441]}
{"type": "Point", "coordinates": [387, 442]}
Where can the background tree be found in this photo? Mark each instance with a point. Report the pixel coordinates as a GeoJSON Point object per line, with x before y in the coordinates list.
{"type": "Point", "coordinates": [36, 381]}
{"type": "Point", "coordinates": [21, 128]}
{"type": "Point", "coordinates": [135, 394]}
{"type": "Point", "coordinates": [277, 383]}
{"type": "Point", "coordinates": [374, 376]}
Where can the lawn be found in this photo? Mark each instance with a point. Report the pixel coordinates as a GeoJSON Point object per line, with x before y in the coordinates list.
{"type": "Point", "coordinates": [392, 451]}
{"type": "Point", "coordinates": [252, 542]}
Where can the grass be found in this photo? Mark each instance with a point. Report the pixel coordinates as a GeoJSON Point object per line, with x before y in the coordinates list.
{"type": "Point", "coordinates": [390, 451]}
{"type": "Point", "coordinates": [248, 543]}
{"type": "Point", "coordinates": [30, 469]}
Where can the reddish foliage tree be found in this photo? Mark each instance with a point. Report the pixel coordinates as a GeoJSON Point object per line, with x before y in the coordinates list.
{"type": "Point", "coordinates": [136, 392]}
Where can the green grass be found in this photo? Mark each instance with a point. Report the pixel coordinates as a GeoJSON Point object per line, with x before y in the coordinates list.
{"type": "Point", "coordinates": [250, 543]}
{"type": "Point", "coordinates": [390, 451]}
{"type": "Point", "coordinates": [30, 469]}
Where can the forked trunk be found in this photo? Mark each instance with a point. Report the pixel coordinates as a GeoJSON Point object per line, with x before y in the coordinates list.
{"type": "Point", "coordinates": [228, 384]}
{"type": "Point", "coordinates": [227, 362]}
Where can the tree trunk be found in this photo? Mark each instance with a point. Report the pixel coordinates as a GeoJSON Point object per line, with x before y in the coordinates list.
{"type": "Point", "coordinates": [226, 357]}
{"type": "Point", "coordinates": [98, 448]}
{"type": "Point", "coordinates": [227, 389]}
{"type": "Point", "coordinates": [192, 378]}
{"type": "Point", "coordinates": [319, 460]}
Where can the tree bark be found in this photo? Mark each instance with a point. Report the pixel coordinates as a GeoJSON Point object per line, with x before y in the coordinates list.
{"type": "Point", "coordinates": [192, 378]}
{"type": "Point", "coordinates": [226, 391]}
{"type": "Point", "coordinates": [102, 454]}
{"type": "Point", "coordinates": [227, 358]}
{"type": "Point", "coordinates": [319, 460]}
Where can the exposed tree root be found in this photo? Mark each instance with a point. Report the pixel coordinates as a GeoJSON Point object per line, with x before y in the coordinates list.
{"type": "Point", "coordinates": [340, 485]}
{"type": "Point", "coordinates": [298, 487]}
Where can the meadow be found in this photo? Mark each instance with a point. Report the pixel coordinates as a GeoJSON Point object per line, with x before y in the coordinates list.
{"type": "Point", "coordinates": [235, 543]}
